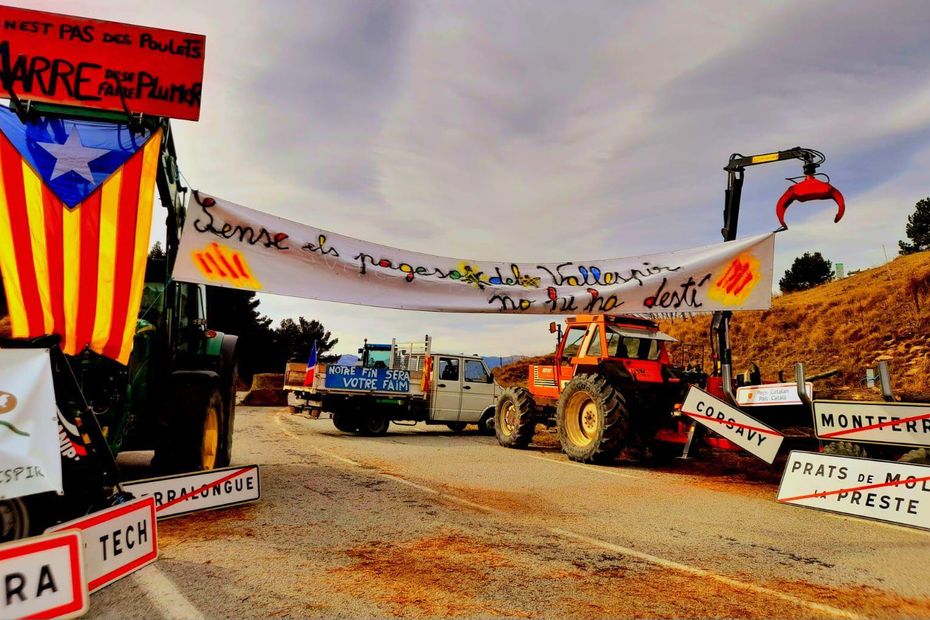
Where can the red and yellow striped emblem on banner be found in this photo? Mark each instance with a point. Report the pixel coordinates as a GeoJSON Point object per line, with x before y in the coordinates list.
{"type": "Point", "coordinates": [78, 272]}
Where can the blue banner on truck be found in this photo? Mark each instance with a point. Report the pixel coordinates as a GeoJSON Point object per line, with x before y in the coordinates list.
{"type": "Point", "coordinates": [367, 379]}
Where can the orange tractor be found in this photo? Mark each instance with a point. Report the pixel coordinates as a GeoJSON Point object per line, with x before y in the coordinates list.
{"type": "Point", "coordinates": [612, 387]}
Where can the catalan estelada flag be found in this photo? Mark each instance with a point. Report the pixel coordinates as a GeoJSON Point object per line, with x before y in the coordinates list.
{"type": "Point", "coordinates": [75, 216]}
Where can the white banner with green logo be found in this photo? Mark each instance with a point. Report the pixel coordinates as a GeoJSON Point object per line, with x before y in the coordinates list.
{"type": "Point", "coordinates": [30, 461]}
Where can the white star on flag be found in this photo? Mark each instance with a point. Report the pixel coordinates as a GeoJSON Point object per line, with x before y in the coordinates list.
{"type": "Point", "coordinates": [73, 156]}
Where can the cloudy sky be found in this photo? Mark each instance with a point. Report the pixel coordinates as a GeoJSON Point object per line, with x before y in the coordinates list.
{"type": "Point", "coordinates": [549, 131]}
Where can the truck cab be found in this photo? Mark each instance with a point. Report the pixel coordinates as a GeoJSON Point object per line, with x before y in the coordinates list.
{"type": "Point", "coordinates": [404, 383]}
{"type": "Point", "coordinates": [462, 389]}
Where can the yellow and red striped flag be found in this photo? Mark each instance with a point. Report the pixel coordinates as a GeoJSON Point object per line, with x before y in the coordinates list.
{"type": "Point", "coordinates": [75, 216]}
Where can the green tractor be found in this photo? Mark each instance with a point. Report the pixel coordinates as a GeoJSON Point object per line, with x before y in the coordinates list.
{"type": "Point", "coordinates": [176, 396]}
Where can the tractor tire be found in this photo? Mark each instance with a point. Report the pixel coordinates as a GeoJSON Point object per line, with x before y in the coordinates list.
{"type": "Point", "coordinates": [845, 448]}
{"type": "Point", "coordinates": [515, 418]}
{"type": "Point", "coordinates": [224, 455]}
{"type": "Point", "coordinates": [196, 431]}
{"type": "Point", "coordinates": [486, 424]}
{"type": "Point", "coordinates": [593, 420]}
{"type": "Point", "coordinates": [918, 456]}
{"type": "Point", "coordinates": [345, 421]}
{"type": "Point", "coordinates": [374, 424]}
{"type": "Point", "coordinates": [14, 520]}
{"type": "Point", "coordinates": [457, 427]}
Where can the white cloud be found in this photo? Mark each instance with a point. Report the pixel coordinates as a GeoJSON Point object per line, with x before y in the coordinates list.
{"type": "Point", "coordinates": [549, 130]}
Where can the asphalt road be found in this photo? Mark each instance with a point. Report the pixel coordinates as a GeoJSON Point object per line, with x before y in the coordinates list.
{"type": "Point", "coordinates": [423, 523]}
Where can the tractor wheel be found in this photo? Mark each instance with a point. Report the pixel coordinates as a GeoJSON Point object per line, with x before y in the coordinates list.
{"type": "Point", "coordinates": [515, 418]}
{"type": "Point", "coordinates": [14, 520]}
{"type": "Point", "coordinates": [374, 424]}
{"type": "Point", "coordinates": [345, 421]}
{"type": "Point", "coordinates": [224, 456]}
{"type": "Point", "coordinates": [920, 456]}
{"type": "Point", "coordinates": [593, 420]}
{"type": "Point", "coordinates": [457, 427]}
{"type": "Point", "coordinates": [845, 448]}
{"type": "Point", "coordinates": [196, 431]}
{"type": "Point", "coordinates": [486, 424]}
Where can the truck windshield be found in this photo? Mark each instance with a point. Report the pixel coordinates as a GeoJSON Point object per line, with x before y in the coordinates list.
{"type": "Point", "coordinates": [377, 359]}
{"type": "Point", "coordinates": [631, 347]}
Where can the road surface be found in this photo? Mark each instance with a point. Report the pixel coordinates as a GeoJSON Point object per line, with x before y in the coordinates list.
{"type": "Point", "coordinates": [422, 523]}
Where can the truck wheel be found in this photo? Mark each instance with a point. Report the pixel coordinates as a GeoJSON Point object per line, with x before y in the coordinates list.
{"type": "Point", "coordinates": [14, 520]}
{"type": "Point", "coordinates": [515, 418]}
{"type": "Point", "coordinates": [457, 427]}
{"type": "Point", "coordinates": [486, 424]}
{"type": "Point", "coordinates": [592, 419]}
{"type": "Point", "coordinates": [845, 448]}
{"type": "Point", "coordinates": [374, 424]}
{"type": "Point", "coordinates": [196, 431]}
{"type": "Point", "coordinates": [345, 422]}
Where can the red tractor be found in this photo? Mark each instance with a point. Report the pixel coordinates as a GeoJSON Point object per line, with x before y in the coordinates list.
{"type": "Point", "coordinates": [612, 387]}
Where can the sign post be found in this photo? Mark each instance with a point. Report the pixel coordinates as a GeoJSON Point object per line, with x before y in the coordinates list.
{"type": "Point", "coordinates": [43, 577]}
{"type": "Point", "coordinates": [117, 541]}
{"type": "Point", "coordinates": [732, 424]}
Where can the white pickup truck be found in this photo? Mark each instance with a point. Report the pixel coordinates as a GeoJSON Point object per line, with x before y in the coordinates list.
{"type": "Point", "coordinates": [400, 383]}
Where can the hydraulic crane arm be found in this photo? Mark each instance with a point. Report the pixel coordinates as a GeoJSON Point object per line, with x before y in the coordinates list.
{"type": "Point", "coordinates": [810, 188]}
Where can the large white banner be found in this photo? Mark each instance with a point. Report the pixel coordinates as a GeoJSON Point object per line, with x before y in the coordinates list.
{"type": "Point", "coordinates": [225, 244]}
{"type": "Point", "coordinates": [30, 461]}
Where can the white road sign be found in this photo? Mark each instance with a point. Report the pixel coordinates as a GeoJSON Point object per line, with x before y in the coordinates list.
{"type": "Point", "coordinates": [43, 577]}
{"type": "Point", "coordinates": [29, 458]}
{"type": "Point", "coordinates": [201, 490]}
{"type": "Point", "coordinates": [906, 424]}
{"type": "Point", "coordinates": [117, 541]}
{"type": "Point", "coordinates": [771, 394]}
{"type": "Point", "coordinates": [883, 490]}
{"type": "Point", "coordinates": [732, 424]}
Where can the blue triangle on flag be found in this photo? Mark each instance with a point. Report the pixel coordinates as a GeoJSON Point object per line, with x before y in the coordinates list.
{"type": "Point", "coordinates": [73, 157]}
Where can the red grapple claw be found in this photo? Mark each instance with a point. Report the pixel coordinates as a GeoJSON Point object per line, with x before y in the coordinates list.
{"type": "Point", "coordinates": [810, 189]}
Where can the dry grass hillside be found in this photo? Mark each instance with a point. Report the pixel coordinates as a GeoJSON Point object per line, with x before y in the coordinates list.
{"type": "Point", "coordinates": [847, 325]}
{"type": "Point", "coordinates": [516, 372]}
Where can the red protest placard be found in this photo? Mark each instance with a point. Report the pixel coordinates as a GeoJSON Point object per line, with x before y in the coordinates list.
{"type": "Point", "coordinates": [84, 62]}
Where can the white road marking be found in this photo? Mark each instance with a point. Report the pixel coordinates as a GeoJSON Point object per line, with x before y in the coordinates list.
{"type": "Point", "coordinates": [400, 480]}
{"type": "Point", "coordinates": [164, 595]}
{"type": "Point", "coordinates": [337, 457]}
{"type": "Point", "coordinates": [700, 572]}
{"type": "Point", "coordinates": [598, 469]}
{"type": "Point", "coordinates": [277, 420]}
{"type": "Point", "coordinates": [646, 557]}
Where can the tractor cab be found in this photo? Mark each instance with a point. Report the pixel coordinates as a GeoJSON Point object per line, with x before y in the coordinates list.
{"type": "Point", "coordinates": [628, 348]}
